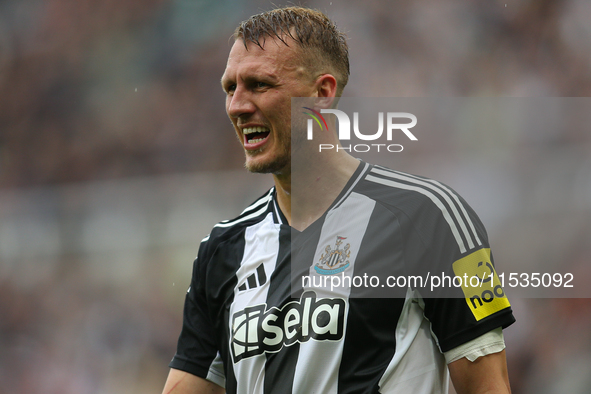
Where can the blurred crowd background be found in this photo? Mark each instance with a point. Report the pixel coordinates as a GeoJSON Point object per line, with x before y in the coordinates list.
{"type": "Point", "coordinates": [116, 158]}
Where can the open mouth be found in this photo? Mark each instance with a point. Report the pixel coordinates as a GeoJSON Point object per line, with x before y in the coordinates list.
{"type": "Point", "coordinates": [254, 135]}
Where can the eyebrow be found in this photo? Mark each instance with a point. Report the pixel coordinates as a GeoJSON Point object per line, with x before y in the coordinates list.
{"type": "Point", "coordinates": [249, 78]}
{"type": "Point", "coordinates": [263, 76]}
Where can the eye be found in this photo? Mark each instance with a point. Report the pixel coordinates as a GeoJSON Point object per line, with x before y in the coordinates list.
{"type": "Point", "coordinates": [262, 85]}
{"type": "Point", "coordinates": [230, 88]}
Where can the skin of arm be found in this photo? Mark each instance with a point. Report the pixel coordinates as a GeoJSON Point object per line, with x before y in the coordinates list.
{"type": "Point", "coordinates": [485, 375]}
{"type": "Point", "coordinates": [180, 382]}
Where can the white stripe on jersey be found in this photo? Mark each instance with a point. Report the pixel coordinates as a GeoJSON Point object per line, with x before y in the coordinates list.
{"type": "Point", "coordinates": [349, 220]}
{"type": "Point", "coordinates": [440, 185]}
{"type": "Point", "coordinates": [261, 247]}
{"type": "Point", "coordinates": [423, 370]}
{"type": "Point", "coordinates": [436, 201]}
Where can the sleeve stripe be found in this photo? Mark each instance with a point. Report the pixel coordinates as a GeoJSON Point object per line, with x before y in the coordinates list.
{"type": "Point", "coordinates": [436, 201]}
{"type": "Point", "coordinates": [263, 201]}
{"type": "Point", "coordinates": [451, 193]}
{"type": "Point", "coordinates": [455, 197]}
{"type": "Point", "coordinates": [242, 219]}
{"type": "Point", "coordinates": [445, 192]}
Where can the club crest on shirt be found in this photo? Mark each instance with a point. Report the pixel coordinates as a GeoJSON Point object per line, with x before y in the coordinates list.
{"type": "Point", "coordinates": [334, 261]}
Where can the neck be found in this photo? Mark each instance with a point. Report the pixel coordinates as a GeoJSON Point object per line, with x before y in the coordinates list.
{"type": "Point", "coordinates": [317, 183]}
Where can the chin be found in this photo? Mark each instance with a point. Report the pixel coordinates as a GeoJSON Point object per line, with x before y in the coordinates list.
{"type": "Point", "coordinates": [277, 166]}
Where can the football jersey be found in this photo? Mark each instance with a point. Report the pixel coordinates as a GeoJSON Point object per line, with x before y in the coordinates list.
{"type": "Point", "coordinates": [257, 319]}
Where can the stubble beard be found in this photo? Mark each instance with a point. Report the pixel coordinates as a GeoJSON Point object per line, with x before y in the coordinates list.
{"type": "Point", "coordinates": [289, 144]}
{"type": "Point", "coordinates": [278, 166]}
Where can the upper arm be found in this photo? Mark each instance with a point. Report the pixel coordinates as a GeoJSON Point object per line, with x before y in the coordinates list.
{"type": "Point", "coordinates": [180, 382]}
{"type": "Point", "coordinates": [486, 374]}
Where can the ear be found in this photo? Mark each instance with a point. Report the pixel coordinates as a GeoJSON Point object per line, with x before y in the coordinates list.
{"type": "Point", "coordinates": [326, 88]}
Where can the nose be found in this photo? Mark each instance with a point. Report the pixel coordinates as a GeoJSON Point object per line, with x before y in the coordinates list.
{"type": "Point", "coordinates": [239, 103]}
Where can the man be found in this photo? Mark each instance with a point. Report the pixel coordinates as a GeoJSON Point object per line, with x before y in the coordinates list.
{"type": "Point", "coordinates": [243, 330]}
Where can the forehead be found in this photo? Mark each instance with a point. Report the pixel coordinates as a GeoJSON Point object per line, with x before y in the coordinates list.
{"type": "Point", "coordinates": [274, 58]}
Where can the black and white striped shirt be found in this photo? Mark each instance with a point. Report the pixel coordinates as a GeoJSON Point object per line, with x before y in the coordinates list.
{"type": "Point", "coordinates": [253, 325]}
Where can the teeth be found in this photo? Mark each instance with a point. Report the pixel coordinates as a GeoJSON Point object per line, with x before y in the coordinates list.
{"type": "Point", "coordinates": [256, 140]}
{"type": "Point", "coordinates": [257, 129]}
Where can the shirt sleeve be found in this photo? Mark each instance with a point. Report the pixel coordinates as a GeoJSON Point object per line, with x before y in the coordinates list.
{"type": "Point", "coordinates": [464, 298]}
{"type": "Point", "coordinates": [197, 352]}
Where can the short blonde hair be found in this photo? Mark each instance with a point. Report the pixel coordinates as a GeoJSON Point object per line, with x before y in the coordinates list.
{"type": "Point", "coordinates": [324, 46]}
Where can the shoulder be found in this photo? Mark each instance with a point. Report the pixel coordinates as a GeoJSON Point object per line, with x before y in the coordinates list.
{"type": "Point", "coordinates": [409, 192]}
{"type": "Point", "coordinates": [254, 213]}
{"type": "Point", "coordinates": [428, 205]}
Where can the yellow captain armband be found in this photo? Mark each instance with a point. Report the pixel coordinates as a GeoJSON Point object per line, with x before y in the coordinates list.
{"type": "Point", "coordinates": [480, 284]}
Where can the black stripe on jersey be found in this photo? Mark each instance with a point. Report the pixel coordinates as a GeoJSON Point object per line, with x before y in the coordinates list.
{"type": "Point", "coordinates": [278, 216]}
{"type": "Point", "coordinates": [280, 366]}
{"type": "Point", "coordinates": [223, 278]}
{"type": "Point", "coordinates": [370, 343]}
{"type": "Point", "coordinates": [438, 196]}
